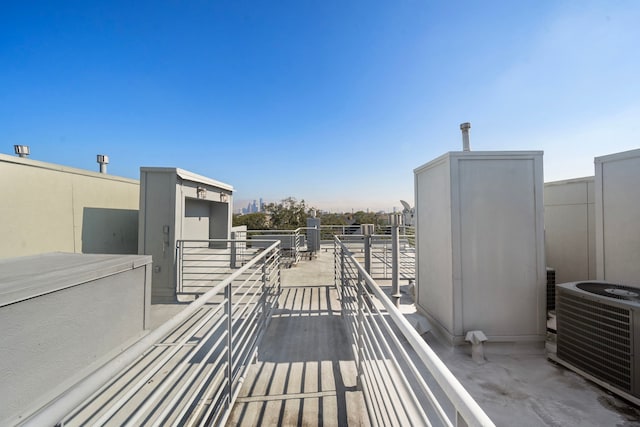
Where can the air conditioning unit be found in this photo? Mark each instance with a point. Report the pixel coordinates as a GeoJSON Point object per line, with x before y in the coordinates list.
{"type": "Point", "coordinates": [598, 334]}
{"type": "Point", "coordinates": [551, 289]}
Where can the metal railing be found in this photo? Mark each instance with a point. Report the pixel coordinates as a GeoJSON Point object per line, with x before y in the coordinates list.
{"type": "Point", "coordinates": [381, 257]}
{"type": "Point", "coordinates": [402, 379]}
{"type": "Point", "coordinates": [187, 371]}
{"type": "Point", "coordinates": [376, 255]}
{"type": "Point", "coordinates": [293, 243]}
{"type": "Point", "coordinates": [328, 232]}
{"type": "Point", "coordinates": [201, 264]}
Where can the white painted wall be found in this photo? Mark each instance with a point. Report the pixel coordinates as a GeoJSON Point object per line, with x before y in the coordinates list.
{"type": "Point", "coordinates": [617, 214]}
{"type": "Point", "coordinates": [434, 292]}
{"type": "Point", "coordinates": [480, 245]}
{"type": "Point", "coordinates": [48, 207]}
{"type": "Point", "coordinates": [569, 221]}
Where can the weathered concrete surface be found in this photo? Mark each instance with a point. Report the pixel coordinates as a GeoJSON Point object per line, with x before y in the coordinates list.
{"type": "Point", "coordinates": [305, 373]}
{"type": "Point", "coordinates": [520, 386]}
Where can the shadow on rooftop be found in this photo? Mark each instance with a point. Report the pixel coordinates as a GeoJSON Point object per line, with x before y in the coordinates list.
{"type": "Point", "coordinates": [305, 373]}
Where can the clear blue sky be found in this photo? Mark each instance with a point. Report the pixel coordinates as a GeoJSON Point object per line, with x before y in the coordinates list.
{"type": "Point", "coordinates": [335, 102]}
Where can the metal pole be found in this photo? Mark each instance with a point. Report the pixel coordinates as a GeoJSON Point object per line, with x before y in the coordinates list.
{"type": "Point", "coordinates": [263, 299]}
{"type": "Point", "coordinates": [395, 262]}
{"type": "Point", "coordinates": [367, 253]}
{"type": "Point", "coordinates": [343, 292]}
{"type": "Point", "coordinates": [179, 253]}
{"type": "Point", "coordinates": [360, 317]}
{"type": "Point", "coordinates": [228, 311]}
{"type": "Point", "coordinates": [234, 255]}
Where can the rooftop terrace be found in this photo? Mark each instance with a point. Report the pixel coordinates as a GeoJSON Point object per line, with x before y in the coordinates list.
{"type": "Point", "coordinates": [304, 372]}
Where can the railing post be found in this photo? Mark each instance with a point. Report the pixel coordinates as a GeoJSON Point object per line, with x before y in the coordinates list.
{"type": "Point", "coordinates": [395, 264]}
{"type": "Point", "coordinates": [342, 279]}
{"type": "Point", "coordinates": [228, 311]}
{"type": "Point", "coordinates": [263, 298]}
{"type": "Point", "coordinates": [178, 268]}
{"type": "Point", "coordinates": [298, 238]}
{"type": "Point", "coordinates": [335, 264]}
{"type": "Point", "coordinates": [360, 293]}
{"type": "Point", "coordinates": [367, 253]}
{"type": "Point", "coordinates": [234, 255]}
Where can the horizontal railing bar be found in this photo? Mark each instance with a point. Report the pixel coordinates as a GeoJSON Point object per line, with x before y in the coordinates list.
{"type": "Point", "coordinates": [376, 331]}
{"type": "Point", "coordinates": [465, 406]}
{"type": "Point", "coordinates": [215, 380]}
{"type": "Point", "coordinates": [190, 380]}
{"type": "Point", "coordinates": [58, 409]}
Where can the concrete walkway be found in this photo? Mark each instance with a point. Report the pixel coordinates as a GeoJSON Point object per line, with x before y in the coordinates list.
{"type": "Point", "coordinates": [305, 373]}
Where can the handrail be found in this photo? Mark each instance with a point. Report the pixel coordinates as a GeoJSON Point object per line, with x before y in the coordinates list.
{"type": "Point", "coordinates": [56, 411]}
{"type": "Point", "coordinates": [350, 274]}
{"type": "Point", "coordinates": [292, 241]}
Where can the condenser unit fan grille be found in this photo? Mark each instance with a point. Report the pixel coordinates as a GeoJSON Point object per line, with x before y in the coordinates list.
{"type": "Point", "coordinates": [551, 289]}
{"type": "Point", "coordinates": [596, 338]}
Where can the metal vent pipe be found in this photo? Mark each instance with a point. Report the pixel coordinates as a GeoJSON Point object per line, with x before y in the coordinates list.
{"type": "Point", "coordinates": [103, 160]}
{"type": "Point", "coordinates": [464, 127]}
{"type": "Point", "coordinates": [21, 150]}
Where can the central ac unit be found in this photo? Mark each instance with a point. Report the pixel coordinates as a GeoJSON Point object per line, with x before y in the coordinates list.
{"type": "Point", "coordinates": [598, 327]}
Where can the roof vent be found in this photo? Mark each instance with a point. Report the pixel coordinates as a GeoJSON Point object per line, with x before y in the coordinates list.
{"type": "Point", "coordinates": [464, 127]}
{"type": "Point", "coordinates": [21, 150]}
{"type": "Point", "coordinates": [103, 160]}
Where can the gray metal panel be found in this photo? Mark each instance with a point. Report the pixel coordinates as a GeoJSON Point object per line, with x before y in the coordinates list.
{"type": "Point", "coordinates": [617, 212]}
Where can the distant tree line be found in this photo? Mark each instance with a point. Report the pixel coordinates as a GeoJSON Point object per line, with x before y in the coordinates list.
{"type": "Point", "coordinates": [289, 214]}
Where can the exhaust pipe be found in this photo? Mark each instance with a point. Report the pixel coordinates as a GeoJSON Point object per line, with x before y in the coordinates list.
{"type": "Point", "coordinates": [464, 127]}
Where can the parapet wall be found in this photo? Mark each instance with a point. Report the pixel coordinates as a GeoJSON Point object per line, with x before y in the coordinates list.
{"type": "Point", "coordinates": [569, 221]}
{"type": "Point", "coordinates": [52, 208]}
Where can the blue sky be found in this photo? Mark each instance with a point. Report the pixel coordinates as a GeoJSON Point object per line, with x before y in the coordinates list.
{"type": "Point", "coordinates": [335, 102]}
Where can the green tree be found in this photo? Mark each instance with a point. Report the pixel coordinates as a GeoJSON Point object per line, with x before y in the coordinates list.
{"type": "Point", "coordinates": [289, 214]}
{"type": "Point", "coordinates": [253, 221]}
{"type": "Point", "coordinates": [362, 217]}
{"type": "Point", "coordinates": [333, 219]}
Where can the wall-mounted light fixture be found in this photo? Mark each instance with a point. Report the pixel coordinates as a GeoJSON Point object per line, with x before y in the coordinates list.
{"type": "Point", "coordinates": [201, 192]}
{"type": "Point", "coordinates": [21, 150]}
{"type": "Point", "coordinates": [224, 198]}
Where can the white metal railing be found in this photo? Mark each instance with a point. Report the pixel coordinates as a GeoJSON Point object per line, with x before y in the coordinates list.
{"type": "Point", "coordinates": [201, 264]}
{"type": "Point", "coordinates": [404, 383]}
{"type": "Point", "coordinates": [381, 255]}
{"type": "Point", "coordinates": [375, 254]}
{"type": "Point", "coordinates": [189, 370]}
{"type": "Point", "coordinates": [292, 242]}
{"type": "Point", "coordinates": [328, 232]}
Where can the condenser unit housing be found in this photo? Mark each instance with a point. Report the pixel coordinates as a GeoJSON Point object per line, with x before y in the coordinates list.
{"type": "Point", "coordinates": [598, 326]}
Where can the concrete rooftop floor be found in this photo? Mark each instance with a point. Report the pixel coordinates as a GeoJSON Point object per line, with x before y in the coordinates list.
{"type": "Point", "coordinates": [305, 374]}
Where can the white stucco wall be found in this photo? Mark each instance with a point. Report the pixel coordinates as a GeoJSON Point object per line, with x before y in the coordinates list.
{"type": "Point", "coordinates": [480, 244]}
{"type": "Point", "coordinates": [617, 213]}
{"type": "Point", "coordinates": [569, 221]}
{"type": "Point", "coordinates": [48, 207]}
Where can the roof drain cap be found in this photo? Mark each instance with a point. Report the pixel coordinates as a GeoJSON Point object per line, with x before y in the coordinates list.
{"type": "Point", "coordinates": [476, 338]}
